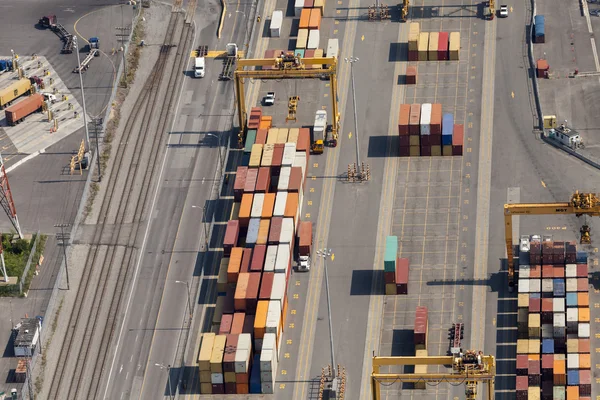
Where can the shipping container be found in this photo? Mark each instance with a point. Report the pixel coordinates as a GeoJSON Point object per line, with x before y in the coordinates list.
{"type": "Point", "coordinates": [315, 19]}
{"type": "Point", "coordinates": [320, 5]}
{"type": "Point", "coordinates": [252, 235]}
{"type": "Point", "coordinates": [414, 140]}
{"type": "Point", "coordinates": [413, 55]}
{"type": "Point", "coordinates": [239, 183]}
{"type": "Point", "coordinates": [206, 347]}
{"type": "Point", "coordinates": [303, 140]}
{"type": "Point", "coordinates": [298, 7]}
{"type": "Point", "coordinates": [404, 119]}
{"type": "Point", "coordinates": [436, 119]}
{"type": "Point", "coordinates": [18, 111]}
{"type": "Point", "coordinates": [280, 202]}
{"type": "Point", "coordinates": [216, 358]}
{"type": "Point", "coordinates": [423, 46]}
{"type": "Point", "coordinates": [270, 258]}
{"type": "Point", "coordinates": [272, 135]}
{"type": "Point", "coordinates": [240, 291]}
{"type": "Point", "coordinates": [263, 232]}
{"type": "Point", "coordinates": [426, 118]}
{"type": "Point", "coordinates": [263, 180]}
{"type": "Point", "coordinates": [314, 38]}
{"type": "Point", "coordinates": [443, 46]}
{"type": "Point", "coordinates": [276, 22]}
{"type": "Point", "coordinates": [284, 179]}
{"type": "Point", "coordinates": [411, 75]}
{"type": "Point", "coordinates": [231, 237]}
{"type": "Point", "coordinates": [257, 205]}
{"type": "Point", "coordinates": [237, 324]}
{"type": "Point", "coordinates": [302, 38]}
{"type": "Point", "coordinates": [454, 46]}
{"type": "Point", "coordinates": [421, 326]}
{"type": "Point", "coordinates": [305, 238]}
{"type": "Point", "coordinates": [291, 208]}
{"type": "Point", "coordinates": [250, 141]}
{"type": "Point", "coordinates": [14, 91]}
{"type": "Point", "coordinates": [433, 46]}
{"type": "Point", "coordinates": [243, 354]}
{"type": "Point", "coordinates": [267, 154]}
{"type": "Point", "coordinates": [401, 276]}
{"type": "Point", "coordinates": [318, 53]}
{"type": "Point", "coordinates": [245, 209]}
{"type": "Point", "coordinates": [250, 184]}
{"type": "Point", "coordinates": [332, 48]}
{"type": "Point", "coordinates": [287, 231]}
{"type": "Point", "coordinates": [414, 119]}
{"type": "Point", "coordinates": [252, 292]}
{"type": "Point", "coordinates": [289, 152]}
{"type": "Point", "coordinates": [391, 253]}
{"type": "Point", "coordinates": [458, 140]}
{"type": "Point", "coordinates": [273, 317]}
{"type": "Point", "coordinates": [268, 205]}
{"type": "Point", "coordinates": [447, 126]}
{"type": "Point", "coordinates": [282, 262]}
{"type": "Point", "coordinates": [275, 231]}
{"type": "Point", "coordinates": [233, 268]}
{"type": "Point", "coordinates": [260, 320]}
{"type": "Point", "coordinates": [258, 258]}
{"type": "Point", "coordinates": [293, 135]}
{"type": "Point", "coordinates": [277, 157]}
{"type": "Point", "coordinates": [296, 183]}
{"type": "Point", "coordinates": [282, 136]}
{"type": "Point", "coordinates": [413, 36]}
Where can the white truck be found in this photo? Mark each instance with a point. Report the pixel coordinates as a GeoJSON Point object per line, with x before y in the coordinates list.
{"type": "Point", "coordinates": [320, 125]}
{"type": "Point", "coordinates": [199, 67]}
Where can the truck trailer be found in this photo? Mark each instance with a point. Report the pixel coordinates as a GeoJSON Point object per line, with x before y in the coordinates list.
{"type": "Point", "coordinates": [13, 91]}
{"type": "Point", "coordinates": [17, 112]}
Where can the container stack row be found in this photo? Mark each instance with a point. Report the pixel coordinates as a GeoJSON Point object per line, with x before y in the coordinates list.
{"type": "Point", "coordinates": [309, 35]}
{"type": "Point", "coordinates": [300, 5]}
{"type": "Point", "coordinates": [395, 270]}
{"type": "Point", "coordinates": [424, 131]}
{"type": "Point", "coordinates": [432, 46]}
{"type": "Point", "coordinates": [553, 321]}
{"type": "Point", "coordinates": [258, 251]}
{"type": "Point", "coordinates": [420, 339]}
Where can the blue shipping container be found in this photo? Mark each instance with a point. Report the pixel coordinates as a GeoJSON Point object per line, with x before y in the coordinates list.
{"type": "Point", "coordinates": [582, 257]}
{"type": "Point", "coordinates": [559, 288]}
{"type": "Point", "coordinates": [535, 295]}
{"type": "Point", "coordinates": [447, 124]}
{"type": "Point", "coordinates": [252, 232]}
{"type": "Point", "coordinates": [446, 140]}
{"type": "Point", "coordinates": [548, 346]}
{"type": "Point", "coordinates": [571, 299]}
{"type": "Point", "coordinates": [255, 375]}
{"type": "Point", "coordinates": [539, 25]}
{"type": "Point", "coordinates": [573, 377]}
{"type": "Point", "coordinates": [245, 160]}
{"type": "Point", "coordinates": [3, 66]}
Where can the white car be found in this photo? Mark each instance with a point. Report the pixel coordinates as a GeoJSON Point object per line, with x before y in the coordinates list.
{"type": "Point", "coordinates": [269, 99]}
{"type": "Point", "coordinates": [304, 263]}
{"type": "Point", "coordinates": [503, 11]}
{"type": "Point", "coordinates": [50, 97]}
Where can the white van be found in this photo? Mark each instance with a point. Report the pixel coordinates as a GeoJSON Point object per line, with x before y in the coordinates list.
{"type": "Point", "coordinates": [199, 67]}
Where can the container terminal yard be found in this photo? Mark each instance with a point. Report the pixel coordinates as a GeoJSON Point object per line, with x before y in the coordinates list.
{"type": "Point", "coordinates": [312, 199]}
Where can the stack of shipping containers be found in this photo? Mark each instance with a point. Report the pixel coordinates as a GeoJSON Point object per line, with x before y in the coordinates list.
{"type": "Point", "coordinates": [413, 41]}
{"type": "Point", "coordinates": [241, 353]}
{"type": "Point", "coordinates": [395, 270]}
{"type": "Point", "coordinates": [308, 39]}
{"type": "Point", "coordinates": [553, 321]}
{"type": "Point", "coordinates": [421, 329]}
{"type": "Point", "coordinates": [432, 46]}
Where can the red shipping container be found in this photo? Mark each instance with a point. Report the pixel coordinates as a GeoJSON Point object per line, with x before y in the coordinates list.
{"type": "Point", "coordinates": [308, 3]}
{"type": "Point", "coordinates": [305, 238]}
{"type": "Point", "coordinates": [458, 139]}
{"type": "Point", "coordinates": [414, 123]}
{"type": "Point", "coordinates": [547, 270]}
{"type": "Point", "coordinates": [309, 53]}
{"type": "Point", "coordinates": [420, 334]}
{"type": "Point", "coordinates": [275, 232]}
{"type": "Point", "coordinates": [582, 284]}
{"type": "Point", "coordinates": [413, 55]}
{"type": "Point", "coordinates": [403, 119]}
{"type": "Point", "coordinates": [237, 325]}
{"type": "Point", "coordinates": [436, 119]}
{"type": "Point", "coordinates": [584, 345]}
{"type": "Point", "coordinates": [225, 326]}
{"type": "Point", "coordinates": [229, 355]}
{"type": "Point", "coordinates": [232, 233]}
{"type": "Point", "coordinates": [240, 182]}
{"type": "Point", "coordinates": [230, 388]}
{"type": "Point", "coordinates": [402, 269]}
{"type": "Point", "coordinates": [522, 364]}
{"type": "Point", "coordinates": [425, 150]}
{"type": "Point", "coordinates": [258, 258]}
{"type": "Point", "coordinates": [246, 258]}
{"type": "Point", "coordinates": [559, 272]}
{"type": "Point", "coordinates": [263, 180]}
{"type": "Point", "coordinates": [404, 151]}
{"type": "Point", "coordinates": [266, 285]}
{"type": "Point", "coordinates": [261, 136]}
{"type": "Point", "coordinates": [411, 75]}
{"type": "Point", "coordinates": [303, 140]}
{"type": "Point", "coordinates": [296, 182]}
{"type": "Point", "coordinates": [443, 40]}
{"type": "Point", "coordinates": [582, 270]}
{"type": "Point", "coordinates": [218, 388]}
{"type": "Point", "coordinates": [23, 108]}
{"type": "Point", "coordinates": [522, 383]}
{"type": "Point", "coordinates": [242, 388]}
{"type": "Point", "coordinates": [252, 292]}
{"type": "Point", "coordinates": [404, 140]}
{"type": "Point", "coordinates": [251, 177]}
{"type": "Point", "coordinates": [389, 277]}
{"type": "Point", "coordinates": [277, 157]}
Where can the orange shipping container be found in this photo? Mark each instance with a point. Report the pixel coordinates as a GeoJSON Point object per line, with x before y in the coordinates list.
{"type": "Point", "coordinates": [264, 125]}
{"type": "Point", "coordinates": [315, 19]}
{"type": "Point", "coordinates": [268, 204]}
{"type": "Point", "coordinates": [260, 321]}
{"type": "Point", "coordinates": [436, 119]}
{"type": "Point", "coordinates": [239, 299]}
{"type": "Point", "coordinates": [304, 18]}
{"type": "Point", "coordinates": [403, 119]}
{"type": "Point", "coordinates": [235, 260]}
{"type": "Point", "coordinates": [291, 207]}
{"type": "Point", "coordinates": [245, 209]}
{"type": "Point", "coordinates": [583, 299]}
{"type": "Point", "coordinates": [584, 314]}
{"type": "Point", "coordinates": [263, 231]}
{"type": "Point", "coordinates": [572, 392]}
{"type": "Point", "coordinates": [585, 361]}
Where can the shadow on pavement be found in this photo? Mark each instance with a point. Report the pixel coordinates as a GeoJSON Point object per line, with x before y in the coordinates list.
{"type": "Point", "coordinates": [362, 280]}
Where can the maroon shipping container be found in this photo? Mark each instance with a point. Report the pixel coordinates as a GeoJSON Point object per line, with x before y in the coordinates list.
{"type": "Point", "coordinates": [258, 258]}
{"type": "Point", "coordinates": [269, 54]}
{"type": "Point", "coordinates": [252, 292]}
{"type": "Point", "coordinates": [414, 123]}
{"type": "Point", "coordinates": [303, 140]}
{"type": "Point", "coordinates": [229, 303]}
{"type": "Point", "coordinates": [535, 305]}
{"type": "Point", "coordinates": [425, 150]}
{"type": "Point", "coordinates": [277, 158]}
{"type": "Point", "coordinates": [413, 55]}
{"type": "Point", "coordinates": [296, 183]}
{"type": "Point", "coordinates": [458, 139]}
{"type": "Point", "coordinates": [229, 355]}
{"type": "Point", "coordinates": [246, 259]}
{"type": "Point", "coordinates": [251, 177]}
{"type": "Point", "coordinates": [275, 230]}
{"type": "Point", "coordinates": [443, 40]}
{"type": "Point", "coordinates": [305, 238]}
{"type": "Point", "coordinates": [240, 183]}
{"type": "Point", "coordinates": [248, 325]}
{"type": "Point", "coordinates": [238, 323]}
{"type": "Point", "coordinates": [436, 119]}
{"type": "Point", "coordinates": [402, 269]}
{"type": "Point", "coordinates": [389, 277]}
{"type": "Point", "coordinates": [261, 136]}
{"type": "Point", "coordinates": [404, 140]}
{"type": "Point", "coordinates": [18, 111]}
{"type": "Point", "coordinates": [534, 373]}
{"type": "Point", "coordinates": [522, 364]}
{"type": "Point", "coordinates": [266, 285]}
{"type": "Point", "coordinates": [225, 326]}
{"type": "Point", "coordinates": [404, 151]}
{"type": "Point", "coordinates": [263, 180]}
{"type": "Point", "coordinates": [232, 234]}
{"type": "Point", "coordinates": [230, 388]}
{"type": "Point", "coordinates": [420, 335]}
{"type": "Point", "coordinates": [582, 270]}
{"type": "Point", "coordinates": [535, 247]}
{"type": "Point", "coordinates": [403, 119]}
{"type": "Point", "coordinates": [218, 388]}
{"type": "Point", "coordinates": [434, 140]}
{"type": "Point", "coordinates": [425, 141]}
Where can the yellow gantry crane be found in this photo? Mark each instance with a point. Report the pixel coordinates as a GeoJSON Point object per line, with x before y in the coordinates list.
{"type": "Point", "coordinates": [467, 369]}
{"type": "Point", "coordinates": [406, 4]}
{"type": "Point", "coordinates": [580, 204]}
{"type": "Point", "coordinates": [287, 66]}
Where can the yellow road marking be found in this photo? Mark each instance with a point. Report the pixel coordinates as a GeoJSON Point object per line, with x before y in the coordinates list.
{"type": "Point", "coordinates": [543, 183]}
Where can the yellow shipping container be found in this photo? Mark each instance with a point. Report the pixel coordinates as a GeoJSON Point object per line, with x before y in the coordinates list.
{"type": "Point", "coordinates": [267, 158]}
{"type": "Point", "coordinates": [293, 135]}
{"type": "Point", "coordinates": [454, 47]}
{"type": "Point", "coordinates": [522, 346]}
{"type": "Point", "coordinates": [434, 38]}
{"type": "Point", "coordinates": [272, 135]}
{"type": "Point", "coordinates": [205, 376]}
{"type": "Point", "coordinates": [216, 358]}
{"type": "Point", "coordinates": [390, 289]}
{"type": "Point", "coordinates": [436, 151]}
{"type": "Point", "coordinates": [423, 45]}
{"type": "Point", "coordinates": [414, 140]}
{"type": "Point", "coordinates": [255, 155]}
{"type": "Point", "coordinates": [534, 346]}
{"type": "Point", "coordinates": [523, 300]}
{"type": "Point", "coordinates": [413, 36]}
{"type": "Point", "coordinates": [205, 388]}
{"type": "Point", "coordinates": [206, 347]}
{"type": "Point", "coordinates": [447, 150]}
{"type": "Point", "coordinates": [533, 393]}
{"type": "Point", "coordinates": [282, 136]}
{"type": "Point", "coordinates": [534, 326]}
{"type": "Point", "coordinates": [421, 353]}
{"type": "Point", "coordinates": [14, 90]}
{"type": "Point", "coordinates": [420, 369]}
{"type": "Point", "coordinates": [302, 38]}
{"type": "Point", "coordinates": [318, 54]}
{"type": "Point", "coordinates": [414, 151]}
{"type": "Point", "coordinates": [320, 4]}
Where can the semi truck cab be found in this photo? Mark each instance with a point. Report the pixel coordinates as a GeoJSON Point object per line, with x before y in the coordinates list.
{"type": "Point", "coordinates": [199, 67]}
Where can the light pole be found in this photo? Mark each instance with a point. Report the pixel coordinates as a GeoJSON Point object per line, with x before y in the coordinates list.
{"type": "Point", "coordinates": [168, 368]}
{"type": "Point", "coordinates": [188, 296]}
{"type": "Point", "coordinates": [205, 226]}
{"type": "Point", "coordinates": [352, 60]}
{"type": "Point", "coordinates": [219, 146]}
{"type": "Point", "coordinates": [87, 133]}
{"type": "Point", "coordinates": [324, 253]}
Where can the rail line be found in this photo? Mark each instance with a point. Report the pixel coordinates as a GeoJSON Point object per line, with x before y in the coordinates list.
{"type": "Point", "coordinates": [147, 141]}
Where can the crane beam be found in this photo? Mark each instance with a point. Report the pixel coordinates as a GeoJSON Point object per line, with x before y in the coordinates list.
{"type": "Point", "coordinates": [456, 378]}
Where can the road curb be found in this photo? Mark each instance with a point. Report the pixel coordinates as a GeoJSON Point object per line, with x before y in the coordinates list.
{"type": "Point", "coordinates": [223, 12]}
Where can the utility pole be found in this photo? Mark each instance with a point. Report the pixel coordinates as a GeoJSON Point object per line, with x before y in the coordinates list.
{"type": "Point", "coordinates": [87, 132]}
{"type": "Point", "coordinates": [189, 301]}
{"type": "Point", "coordinates": [221, 159]}
{"type": "Point", "coordinates": [168, 368]}
{"type": "Point", "coordinates": [324, 253]}
{"type": "Point", "coordinates": [352, 60]}
{"type": "Point", "coordinates": [97, 131]}
{"type": "Point", "coordinates": [121, 33]}
{"type": "Point", "coordinates": [64, 237]}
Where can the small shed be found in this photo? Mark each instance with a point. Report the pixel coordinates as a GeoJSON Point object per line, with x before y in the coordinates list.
{"type": "Point", "coordinates": [27, 338]}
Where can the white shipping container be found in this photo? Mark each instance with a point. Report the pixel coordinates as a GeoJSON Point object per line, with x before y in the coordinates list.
{"type": "Point", "coordinates": [523, 285]}
{"type": "Point", "coordinates": [571, 285]}
{"type": "Point", "coordinates": [284, 179]}
{"type": "Point", "coordinates": [276, 22]}
{"type": "Point", "coordinates": [267, 376]}
{"type": "Point", "coordinates": [583, 331]}
{"type": "Point", "coordinates": [300, 161]}
{"type": "Point", "coordinates": [333, 48]}
{"type": "Point", "coordinates": [266, 359]}
{"type": "Point", "coordinates": [425, 118]}
{"type": "Point", "coordinates": [559, 325]}
{"type": "Point", "coordinates": [242, 361]}
{"type": "Point", "coordinates": [524, 271]}
{"type": "Point", "coordinates": [572, 318]}
{"type": "Point", "coordinates": [287, 231]}
{"type": "Point", "coordinates": [245, 341]}
{"type": "Point", "coordinates": [547, 285]}
{"type": "Point", "coordinates": [283, 259]}
{"type": "Point", "coordinates": [267, 387]}
{"type": "Point", "coordinates": [298, 6]}
{"type": "Point", "coordinates": [289, 153]}
{"type": "Point", "coordinates": [280, 201]}
{"type": "Point", "coordinates": [257, 205]}
{"type": "Point", "coordinates": [216, 379]}
{"type": "Point", "coordinates": [572, 361]}
{"type": "Point", "coordinates": [269, 341]}
{"type": "Point", "coordinates": [278, 289]}
{"type": "Point", "coordinates": [314, 38]}
{"type": "Point", "coordinates": [558, 304]}
{"type": "Point", "coordinates": [270, 258]}
{"type": "Point", "coordinates": [535, 285]}
{"type": "Point", "coordinates": [571, 271]}
{"type": "Point", "coordinates": [273, 317]}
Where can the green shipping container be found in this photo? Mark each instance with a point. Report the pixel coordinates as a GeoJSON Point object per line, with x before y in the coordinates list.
{"type": "Point", "coordinates": [250, 139]}
{"type": "Point", "coordinates": [391, 253]}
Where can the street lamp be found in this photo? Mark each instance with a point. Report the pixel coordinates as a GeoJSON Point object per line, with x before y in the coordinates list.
{"type": "Point", "coordinates": [168, 368]}
{"type": "Point", "coordinates": [87, 133]}
{"type": "Point", "coordinates": [205, 226]}
{"type": "Point", "coordinates": [324, 253]}
{"type": "Point", "coordinates": [219, 146]}
{"type": "Point", "coordinates": [352, 60]}
{"type": "Point", "coordinates": [188, 296]}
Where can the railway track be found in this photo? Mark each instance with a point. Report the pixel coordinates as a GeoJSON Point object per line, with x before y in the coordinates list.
{"type": "Point", "coordinates": [86, 345]}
